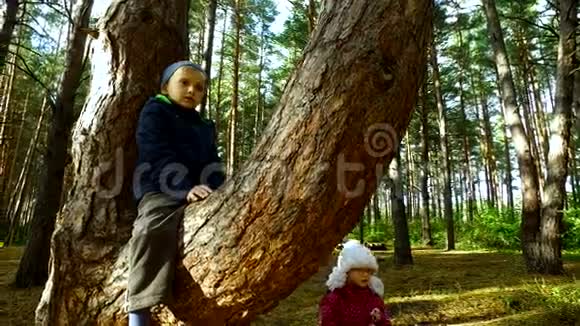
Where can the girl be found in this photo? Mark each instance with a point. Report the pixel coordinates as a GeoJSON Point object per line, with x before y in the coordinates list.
{"type": "Point", "coordinates": [355, 293]}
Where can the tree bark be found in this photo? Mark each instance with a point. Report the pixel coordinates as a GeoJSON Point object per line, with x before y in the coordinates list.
{"type": "Point", "coordinates": [233, 241]}
{"type": "Point", "coordinates": [402, 244]}
{"type": "Point", "coordinates": [33, 268]}
{"type": "Point", "coordinates": [10, 20]}
{"type": "Point", "coordinates": [426, 236]}
{"type": "Point", "coordinates": [312, 15]}
{"type": "Point", "coordinates": [444, 157]}
{"type": "Point", "coordinates": [208, 55]}
{"type": "Point", "coordinates": [548, 253]}
{"type": "Point", "coordinates": [528, 172]}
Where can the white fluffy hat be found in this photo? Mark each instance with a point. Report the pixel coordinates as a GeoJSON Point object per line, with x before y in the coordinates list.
{"type": "Point", "coordinates": [354, 255]}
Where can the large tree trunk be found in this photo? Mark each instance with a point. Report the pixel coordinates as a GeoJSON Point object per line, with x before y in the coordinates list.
{"type": "Point", "coordinates": [295, 198]}
{"type": "Point", "coordinates": [446, 175]}
{"type": "Point", "coordinates": [426, 237]}
{"type": "Point", "coordinates": [548, 255]}
{"type": "Point", "coordinates": [8, 24]}
{"type": "Point", "coordinates": [528, 172]}
{"type": "Point", "coordinates": [402, 244]}
{"type": "Point", "coordinates": [208, 54]}
{"type": "Point", "coordinates": [33, 268]}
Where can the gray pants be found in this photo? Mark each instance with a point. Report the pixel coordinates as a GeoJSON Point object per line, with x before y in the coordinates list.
{"type": "Point", "coordinates": [153, 251]}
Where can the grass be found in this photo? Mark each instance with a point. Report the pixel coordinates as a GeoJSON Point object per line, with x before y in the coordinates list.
{"type": "Point", "coordinates": [442, 288]}
{"type": "Point", "coordinates": [16, 305]}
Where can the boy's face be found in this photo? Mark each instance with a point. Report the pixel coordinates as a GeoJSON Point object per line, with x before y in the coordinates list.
{"type": "Point", "coordinates": [186, 87]}
{"type": "Point", "coordinates": [360, 276]}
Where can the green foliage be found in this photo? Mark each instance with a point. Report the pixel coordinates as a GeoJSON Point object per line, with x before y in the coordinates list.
{"type": "Point", "coordinates": [491, 229]}
{"type": "Point", "coordinates": [571, 236]}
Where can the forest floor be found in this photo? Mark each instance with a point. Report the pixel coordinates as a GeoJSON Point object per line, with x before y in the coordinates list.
{"type": "Point", "coordinates": [442, 288]}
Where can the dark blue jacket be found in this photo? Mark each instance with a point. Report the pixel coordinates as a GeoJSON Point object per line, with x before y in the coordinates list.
{"type": "Point", "coordinates": [177, 151]}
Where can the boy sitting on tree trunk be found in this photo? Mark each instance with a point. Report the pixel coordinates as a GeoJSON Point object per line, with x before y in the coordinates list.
{"type": "Point", "coordinates": [178, 163]}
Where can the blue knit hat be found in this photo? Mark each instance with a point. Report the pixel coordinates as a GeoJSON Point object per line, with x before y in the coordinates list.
{"type": "Point", "coordinates": [172, 68]}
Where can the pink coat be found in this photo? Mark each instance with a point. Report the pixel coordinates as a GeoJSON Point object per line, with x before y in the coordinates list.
{"type": "Point", "coordinates": [352, 306]}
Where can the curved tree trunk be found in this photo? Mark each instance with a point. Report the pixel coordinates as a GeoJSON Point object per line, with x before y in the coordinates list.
{"type": "Point", "coordinates": [293, 200]}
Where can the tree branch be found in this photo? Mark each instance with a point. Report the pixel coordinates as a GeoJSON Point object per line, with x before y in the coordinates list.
{"type": "Point", "coordinates": [27, 71]}
{"type": "Point", "coordinates": [529, 22]}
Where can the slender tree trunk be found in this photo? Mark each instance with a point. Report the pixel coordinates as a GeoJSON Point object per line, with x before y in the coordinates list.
{"type": "Point", "coordinates": [15, 157]}
{"type": "Point", "coordinates": [539, 113]}
{"type": "Point", "coordinates": [572, 166]}
{"type": "Point", "coordinates": [468, 181]}
{"type": "Point", "coordinates": [220, 74]}
{"type": "Point", "coordinates": [244, 237]}
{"type": "Point", "coordinates": [549, 252]}
{"type": "Point", "coordinates": [426, 236]}
{"type": "Point", "coordinates": [5, 124]}
{"type": "Point", "coordinates": [233, 142]}
{"type": "Point", "coordinates": [10, 20]}
{"type": "Point", "coordinates": [24, 173]}
{"type": "Point", "coordinates": [410, 179]}
{"type": "Point", "coordinates": [402, 244]}
{"type": "Point", "coordinates": [208, 55]}
{"type": "Point", "coordinates": [446, 168]}
{"type": "Point", "coordinates": [259, 108]}
{"type": "Point", "coordinates": [33, 268]}
{"type": "Point", "coordinates": [507, 152]}
{"type": "Point", "coordinates": [528, 171]}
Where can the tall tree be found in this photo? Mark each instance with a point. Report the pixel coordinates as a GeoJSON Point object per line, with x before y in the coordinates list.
{"type": "Point", "coordinates": [548, 252]}
{"type": "Point", "coordinates": [232, 242]}
{"type": "Point", "coordinates": [426, 236]}
{"type": "Point", "coordinates": [33, 268]}
{"type": "Point", "coordinates": [208, 54]}
{"type": "Point", "coordinates": [8, 24]}
{"type": "Point", "coordinates": [444, 156]}
{"type": "Point", "coordinates": [402, 244]}
{"type": "Point", "coordinates": [233, 150]}
{"type": "Point", "coordinates": [528, 171]}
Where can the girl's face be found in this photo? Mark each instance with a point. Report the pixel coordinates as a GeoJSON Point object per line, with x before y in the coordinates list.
{"type": "Point", "coordinates": [360, 276]}
{"type": "Point", "coordinates": [186, 87]}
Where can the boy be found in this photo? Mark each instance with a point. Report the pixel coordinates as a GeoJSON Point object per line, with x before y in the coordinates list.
{"type": "Point", "coordinates": [176, 165]}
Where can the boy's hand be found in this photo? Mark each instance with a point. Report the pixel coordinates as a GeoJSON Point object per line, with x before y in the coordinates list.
{"type": "Point", "coordinates": [197, 193]}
